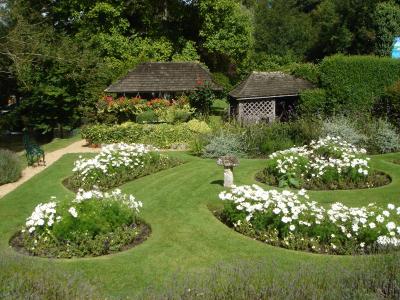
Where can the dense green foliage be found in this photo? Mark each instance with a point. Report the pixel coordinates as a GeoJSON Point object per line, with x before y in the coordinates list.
{"type": "Point", "coordinates": [159, 135]}
{"type": "Point", "coordinates": [57, 58]}
{"type": "Point", "coordinates": [10, 166]}
{"type": "Point", "coordinates": [387, 19]}
{"type": "Point", "coordinates": [202, 99]}
{"type": "Point", "coordinates": [389, 104]}
{"type": "Point", "coordinates": [353, 84]}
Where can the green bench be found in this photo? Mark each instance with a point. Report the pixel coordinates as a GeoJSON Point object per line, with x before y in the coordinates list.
{"type": "Point", "coordinates": [34, 154]}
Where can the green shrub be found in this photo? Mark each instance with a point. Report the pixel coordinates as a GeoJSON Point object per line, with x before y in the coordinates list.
{"type": "Point", "coordinates": [202, 99]}
{"type": "Point", "coordinates": [198, 143]}
{"type": "Point", "coordinates": [224, 144]}
{"type": "Point", "coordinates": [159, 135]}
{"type": "Point", "coordinates": [313, 102]}
{"type": "Point", "coordinates": [383, 137]}
{"type": "Point", "coordinates": [353, 83]}
{"type": "Point", "coordinates": [273, 145]}
{"type": "Point", "coordinates": [147, 117]}
{"type": "Point", "coordinates": [389, 104]}
{"type": "Point", "coordinates": [345, 128]}
{"type": "Point", "coordinates": [198, 126]}
{"type": "Point", "coordinates": [306, 71]}
{"type": "Point", "coordinates": [175, 114]}
{"type": "Point", "coordinates": [304, 130]}
{"type": "Point", "coordinates": [223, 81]}
{"type": "Point", "coordinates": [10, 167]}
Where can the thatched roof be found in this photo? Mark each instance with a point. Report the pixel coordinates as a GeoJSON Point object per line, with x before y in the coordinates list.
{"type": "Point", "coordinates": [269, 84]}
{"type": "Point", "coordinates": [163, 77]}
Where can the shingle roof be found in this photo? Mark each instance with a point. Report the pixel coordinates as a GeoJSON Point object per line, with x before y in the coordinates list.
{"type": "Point", "coordinates": [269, 84]}
{"type": "Point", "coordinates": [163, 77]}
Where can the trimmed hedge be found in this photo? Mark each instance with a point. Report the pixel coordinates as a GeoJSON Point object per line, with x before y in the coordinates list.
{"type": "Point", "coordinates": [354, 83]}
{"type": "Point", "coordinates": [313, 102]}
{"type": "Point", "coordinates": [159, 135]}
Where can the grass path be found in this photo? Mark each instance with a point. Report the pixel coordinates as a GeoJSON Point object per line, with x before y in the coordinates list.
{"type": "Point", "coordinates": [186, 236]}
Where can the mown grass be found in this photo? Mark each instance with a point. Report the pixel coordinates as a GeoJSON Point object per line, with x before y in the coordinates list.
{"type": "Point", "coordinates": [186, 238]}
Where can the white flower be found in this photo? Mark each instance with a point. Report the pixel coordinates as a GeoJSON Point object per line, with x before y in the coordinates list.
{"type": "Point", "coordinates": [292, 227]}
{"type": "Point", "coordinates": [390, 226]}
{"type": "Point", "coordinates": [73, 212]}
{"type": "Point", "coordinates": [372, 225]}
{"type": "Point", "coordinates": [276, 211]}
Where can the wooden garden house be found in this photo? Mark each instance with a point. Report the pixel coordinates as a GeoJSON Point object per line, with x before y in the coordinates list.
{"type": "Point", "coordinates": [163, 80]}
{"type": "Point", "coordinates": [266, 96]}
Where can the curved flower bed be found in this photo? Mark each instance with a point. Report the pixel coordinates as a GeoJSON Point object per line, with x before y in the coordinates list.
{"type": "Point", "coordinates": [292, 221]}
{"type": "Point", "coordinates": [93, 224]}
{"type": "Point", "coordinates": [329, 163]}
{"type": "Point", "coordinates": [117, 164]}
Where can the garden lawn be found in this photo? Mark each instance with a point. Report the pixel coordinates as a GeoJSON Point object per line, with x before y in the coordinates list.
{"type": "Point", "coordinates": [186, 237]}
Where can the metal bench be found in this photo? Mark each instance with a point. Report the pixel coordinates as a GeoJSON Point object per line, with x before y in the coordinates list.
{"type": "Point", "coordinates": [34, 154]}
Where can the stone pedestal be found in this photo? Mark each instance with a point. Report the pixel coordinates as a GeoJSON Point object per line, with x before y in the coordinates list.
{"type": "Point", "coordinates": [228, 177]}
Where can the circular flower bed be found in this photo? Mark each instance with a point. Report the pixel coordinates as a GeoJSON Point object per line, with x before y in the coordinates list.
{"type": "Point", "coordinates": [292, 221]}
{"type": "Point", "coordinates": [93, 224]}
{"type": "Point", "coordinates": [117, 164]}
{"type": "Point", "coordinates": [329, 163]}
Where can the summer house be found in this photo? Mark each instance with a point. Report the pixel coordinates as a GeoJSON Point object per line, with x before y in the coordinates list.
{"type": "Point", "coordinates": [266, 96]}
{"type": "Point", "coordinates": [163, 80]}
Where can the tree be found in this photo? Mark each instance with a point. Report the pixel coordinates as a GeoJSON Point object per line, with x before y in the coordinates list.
{"type": "Point", "coordinates": [282, 29]}
{"type": "Point", "coordinates": [344, 26]}
{"type": "Point", "coordinates": [55, 74]}
{"type": "Point", "coordinates": [188, 53]}
{"type": "Point", "coordinates": [387, 23]}
{"type": "Point", "coordinates": [226, 31]}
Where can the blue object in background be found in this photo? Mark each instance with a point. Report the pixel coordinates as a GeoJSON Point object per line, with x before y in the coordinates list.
{"type": "Point", "coordinates": [396, 48]}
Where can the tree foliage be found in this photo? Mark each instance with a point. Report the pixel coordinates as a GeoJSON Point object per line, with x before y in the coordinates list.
{"type": "Point", "coordinates": [58, 56]}
{"type": "Point", "coordinates": [387, 22]}
{"type": "Point", "coordinates": [282, 29]}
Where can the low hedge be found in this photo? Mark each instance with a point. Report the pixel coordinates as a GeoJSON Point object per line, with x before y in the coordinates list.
{"type": "Point", "coordinates": [10, 166]}
{"type": "Point", "coordinates": [159, 135]}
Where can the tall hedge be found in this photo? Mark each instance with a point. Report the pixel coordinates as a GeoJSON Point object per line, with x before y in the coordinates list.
{"type": "Point", "coordinates": [354, 83]}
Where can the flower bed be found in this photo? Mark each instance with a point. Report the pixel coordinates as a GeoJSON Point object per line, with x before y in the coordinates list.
{"type": "Point", "coordinates": [122, 109]}
{"type": "Point", "coordinates": [292, 221]}
{"type": "Point", "coordinates": [117, 164]}
{"type": "Point", "coordinates": [329, 163]}
{"type": "Point", "coordinates": [93, 224]}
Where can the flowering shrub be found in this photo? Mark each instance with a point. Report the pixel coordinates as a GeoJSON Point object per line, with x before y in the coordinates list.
{"type": "Point", "coordinates": [118, 163]}
{"type": "Point", "coordinates": [328, 163]}
{"type": "Point", "coordinates": [291, 220]}
{"type": "Point", "coordinates": [124, 109]}
{"type": "Point", "coordinates": [94, 223]}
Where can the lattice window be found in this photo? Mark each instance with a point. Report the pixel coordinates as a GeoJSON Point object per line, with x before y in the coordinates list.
{"type": "Point", "coordinates": [257, 110]}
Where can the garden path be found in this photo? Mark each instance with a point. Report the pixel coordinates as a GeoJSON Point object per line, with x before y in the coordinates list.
{"type": "Point", "coordinates": [51, 157]}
